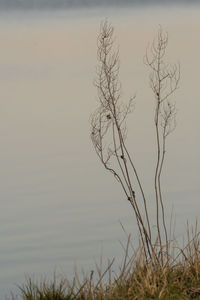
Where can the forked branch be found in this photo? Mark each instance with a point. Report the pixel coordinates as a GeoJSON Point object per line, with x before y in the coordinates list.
{"type": "Point", "coordinates": [164, 79]}
{"type": "Point", "coordinates": [108, 129]}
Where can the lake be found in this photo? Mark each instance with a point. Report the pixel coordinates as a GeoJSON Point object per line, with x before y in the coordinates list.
{"type": "Point", "coordinates": [59, 207]}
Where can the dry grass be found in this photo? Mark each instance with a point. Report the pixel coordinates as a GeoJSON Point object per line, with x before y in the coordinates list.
{"type": "Point", "coordinates": [179, 278]}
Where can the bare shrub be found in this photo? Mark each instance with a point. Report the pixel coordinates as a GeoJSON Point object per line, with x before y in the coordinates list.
{"type": "Point", "coordinates": [108, 131]}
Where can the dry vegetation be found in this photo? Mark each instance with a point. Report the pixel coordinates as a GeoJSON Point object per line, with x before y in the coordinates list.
{"type": "Point", "coordinates": [179, 279]}
{"type": "Point", "coordinates": [159, 268]}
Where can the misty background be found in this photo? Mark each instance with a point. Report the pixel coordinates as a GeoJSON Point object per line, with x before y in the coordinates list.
{"type": "Point", "coordinates": [64, 4]}
{"type": "Point", "coordinates": [58, 206]}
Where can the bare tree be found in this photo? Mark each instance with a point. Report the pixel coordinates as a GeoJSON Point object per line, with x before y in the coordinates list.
{"type": "Point", "coordinates": [108, 128]}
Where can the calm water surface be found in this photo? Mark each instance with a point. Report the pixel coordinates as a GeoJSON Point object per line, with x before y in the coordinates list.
{"type": "Point", "coordinates": [58, 205]}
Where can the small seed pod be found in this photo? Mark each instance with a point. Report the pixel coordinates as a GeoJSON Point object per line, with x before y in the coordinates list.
{"type": "Point", "coordinates": [108, 116]}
